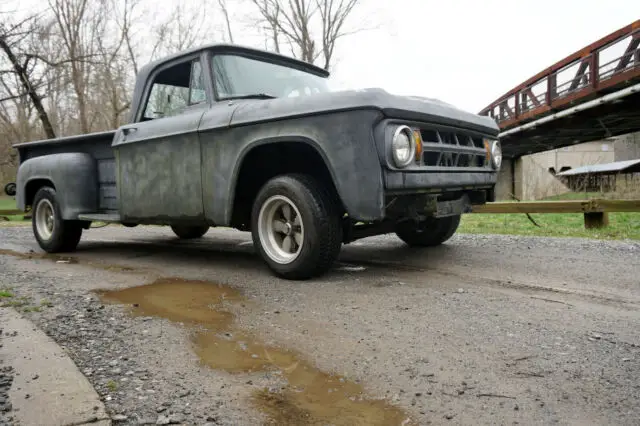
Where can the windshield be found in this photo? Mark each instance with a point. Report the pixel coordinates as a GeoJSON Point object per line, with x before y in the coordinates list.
{"type": "Point", "coordinates": [241, 76]}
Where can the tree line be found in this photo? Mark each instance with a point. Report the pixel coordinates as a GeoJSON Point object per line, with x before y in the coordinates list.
{"type": "Point", "coordinates": [70, 67]}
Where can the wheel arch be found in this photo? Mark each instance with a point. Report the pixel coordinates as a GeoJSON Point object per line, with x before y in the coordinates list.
{"type": "Point", "coordinates": [243, 189]}
{"type": "Point", "coordinates": [73, 175]}
{"type": "Point", "coordinates": [32, 186]}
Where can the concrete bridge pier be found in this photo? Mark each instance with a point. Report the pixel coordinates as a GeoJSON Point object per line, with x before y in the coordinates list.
{"type": "Point", "coordinates": [508, 184]}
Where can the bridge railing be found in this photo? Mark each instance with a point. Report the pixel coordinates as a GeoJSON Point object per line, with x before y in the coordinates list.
{"type": "Point", "coordinates": [610, 61]}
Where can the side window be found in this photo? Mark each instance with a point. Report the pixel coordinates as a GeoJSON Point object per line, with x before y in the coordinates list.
{"type": "Point", "coordinates": [174, 89]}
{"type": "Point", "coordinates": [198, 93]}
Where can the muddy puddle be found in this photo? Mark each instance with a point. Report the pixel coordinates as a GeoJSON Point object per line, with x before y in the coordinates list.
{"type": "Point", "coordinates": [311, 397]}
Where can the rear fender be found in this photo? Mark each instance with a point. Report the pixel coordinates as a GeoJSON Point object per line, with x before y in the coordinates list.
{"type": "Point", "coordinates": [74, 176]}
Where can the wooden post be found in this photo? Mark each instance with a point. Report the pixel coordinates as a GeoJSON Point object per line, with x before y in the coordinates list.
{"type": "Point", "coordinates": [596, 220]}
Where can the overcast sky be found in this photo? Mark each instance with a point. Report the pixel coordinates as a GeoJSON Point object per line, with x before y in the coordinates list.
{"type": "Point", "coordinates": [469, 52]}
{"type": "Point", "coordinates": [465, 52]}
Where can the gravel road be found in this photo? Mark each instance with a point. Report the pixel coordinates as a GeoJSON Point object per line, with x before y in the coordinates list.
{"type": "Point", "coordinates": [483, 330]}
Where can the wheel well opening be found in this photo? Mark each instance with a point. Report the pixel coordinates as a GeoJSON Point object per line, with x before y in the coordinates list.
{"type": "Point", "coordinates": [32, 187]}
{"type": "Point", "coordinates": [267, 161]}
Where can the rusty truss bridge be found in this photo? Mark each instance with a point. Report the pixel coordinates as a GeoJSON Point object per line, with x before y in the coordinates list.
{"type": "Point", "coordinates": [590, 95]}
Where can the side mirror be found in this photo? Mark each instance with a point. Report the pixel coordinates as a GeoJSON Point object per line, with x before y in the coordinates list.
{"type": "Point", "coordinates": [10, 189]}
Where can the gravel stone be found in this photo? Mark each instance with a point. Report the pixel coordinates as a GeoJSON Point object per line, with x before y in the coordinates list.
{"type": "Point", "coordinates": [6, 380]}
{"type": "Point", "coordinates": [163, 420]}
{"type": "Point", "coordinates": [523, 334]}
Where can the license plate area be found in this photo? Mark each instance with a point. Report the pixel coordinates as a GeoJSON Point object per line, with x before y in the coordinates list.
{"type": "Point", "coordinates": [453, 207]}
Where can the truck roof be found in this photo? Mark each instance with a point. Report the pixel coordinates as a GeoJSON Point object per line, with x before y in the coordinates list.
{"type": "Point", "coordinates": [149, 68]}
{"type": "Point", "coordinates": [236, 48]}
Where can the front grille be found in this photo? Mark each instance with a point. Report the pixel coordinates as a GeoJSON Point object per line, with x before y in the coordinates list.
{"type": "Point", "coordinates": [452, 150]}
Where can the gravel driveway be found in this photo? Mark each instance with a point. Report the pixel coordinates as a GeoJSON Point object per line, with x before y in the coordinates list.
{"type": "Point", "coordinates": [483, 330]}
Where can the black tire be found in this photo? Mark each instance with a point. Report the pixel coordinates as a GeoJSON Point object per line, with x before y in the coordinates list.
{"type": "Point", "coordinates": [189, 232]}
{"type": "Point", "coordinates": [65, 234]}
{"type": "Point", "coordinates": [10, 189]}
{"type": "Point", "coordinates": [429, 233]}
{"type": "Point", "coordinates": [320, 216]}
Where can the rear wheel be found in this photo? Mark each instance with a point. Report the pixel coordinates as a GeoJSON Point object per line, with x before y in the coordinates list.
{"type": "Point", "coordinates": [428, 233]}
{"type": "Point", "coordinates": [189, 232]}
{"type": "Point", "coordinates": [295, 225]}
{"type": "Point", "coordinates": [53, 234]}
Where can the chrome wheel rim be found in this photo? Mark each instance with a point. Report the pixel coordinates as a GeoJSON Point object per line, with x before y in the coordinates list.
{"type": "Point", "coordinates": [45, 220]}
{"type": "Point", "coordinates": [280, 229]}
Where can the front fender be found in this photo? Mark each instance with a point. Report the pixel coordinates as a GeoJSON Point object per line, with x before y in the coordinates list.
{"type": "Point", "coordinates": [343, 139]}
{"type": "Point", "coordinates": [74, 176]}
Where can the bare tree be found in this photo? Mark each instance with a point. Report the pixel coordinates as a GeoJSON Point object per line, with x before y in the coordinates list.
{"type": "Point", "coordinates": [333, 15]}
{"type": "Point", "coordinates": [21, 65]}
{"type": "Point", "coordinates": [113, 75]}
{"type": "Point", "coordinates": [184, 28]}
{"type": "Point", "coordinates": [72, 20]}
{"type": "Point", "coordinates": [225, 14]}
{"type": "Point", "coordinates": [71, 67]}
{"type": "Point", "coordinates": [296, 20]}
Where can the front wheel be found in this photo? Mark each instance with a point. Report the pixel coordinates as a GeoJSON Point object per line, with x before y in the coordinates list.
{"type": "Point", "coordinates": [428, 233]}
{"type": "Point", "coordinates": [295, 225]}
{"type": "Point", "coordinates": [189, 232]}
{"type": "Point", "coordinates": [53, 234]}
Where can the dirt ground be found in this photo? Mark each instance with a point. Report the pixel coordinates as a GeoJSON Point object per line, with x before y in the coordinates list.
{"type": "Point", "coordinates": [483, 330]}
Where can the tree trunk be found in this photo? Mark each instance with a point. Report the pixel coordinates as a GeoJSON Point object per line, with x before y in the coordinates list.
{"type": "Point", "coordinates": [31, 92]}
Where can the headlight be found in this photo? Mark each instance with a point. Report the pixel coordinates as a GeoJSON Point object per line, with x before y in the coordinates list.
{"type": "Point", "coordinates": [496, 155]}
{"type": "Point", "coordinates": [403, 147]}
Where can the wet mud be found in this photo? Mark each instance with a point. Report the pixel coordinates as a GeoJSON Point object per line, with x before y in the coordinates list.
{"type": "Point", "coordinates": [68, 260]}
{"type": "Point", "coordinates": [311, 396]}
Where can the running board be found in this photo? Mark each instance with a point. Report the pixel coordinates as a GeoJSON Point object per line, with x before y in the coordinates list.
{"type": "Point", "coordinates": [101, 217]}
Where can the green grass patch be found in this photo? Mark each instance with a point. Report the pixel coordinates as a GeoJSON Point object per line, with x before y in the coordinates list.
{"type": "Point", "coordinates": [22, 303]}
{"type": "Point", "coordinates": [621, 225]}
{"type": "Point", "coordinates": [16, 302]}
{"type": "Point", "coordinates": [9, 203]}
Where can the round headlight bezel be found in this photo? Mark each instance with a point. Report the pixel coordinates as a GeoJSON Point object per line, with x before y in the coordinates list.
{"type": "Point", "coordinates": [408, 131]}
{"type": "Point", "coordinates": [496, 154]}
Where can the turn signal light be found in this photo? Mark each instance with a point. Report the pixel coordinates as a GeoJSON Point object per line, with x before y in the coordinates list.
{"type": "Point", "coordinates": [418, 138]}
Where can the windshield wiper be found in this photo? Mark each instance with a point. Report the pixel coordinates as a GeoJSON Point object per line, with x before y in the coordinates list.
{"type": "Point", "coordinates": [249, 96]}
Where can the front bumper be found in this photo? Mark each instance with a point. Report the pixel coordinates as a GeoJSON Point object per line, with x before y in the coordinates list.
{"type": "Point", "coordinates": [437, 182]}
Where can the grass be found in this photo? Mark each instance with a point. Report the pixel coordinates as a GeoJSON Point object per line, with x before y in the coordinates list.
{"type": "Point", "coordinates": [112, 385]}
{"type": "Point", "coordinates": [5, 294]}
{"type": "Point", "coordinates": [9, 203]}
{"type": "Point", "coordinates": [22, 303]}
{"type": "Point", "coordinates": [621, 225]}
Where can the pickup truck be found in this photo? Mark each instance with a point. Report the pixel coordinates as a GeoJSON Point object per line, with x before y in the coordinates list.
{"type": "Point", "coordinates": [229, 136]}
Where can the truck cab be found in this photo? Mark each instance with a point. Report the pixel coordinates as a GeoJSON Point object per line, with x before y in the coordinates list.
{"type": "Point", "coordinates": [224, 135]}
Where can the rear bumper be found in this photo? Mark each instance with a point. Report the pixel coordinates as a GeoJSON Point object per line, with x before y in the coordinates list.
{"type": "Point", "coordinates": [407, 182]}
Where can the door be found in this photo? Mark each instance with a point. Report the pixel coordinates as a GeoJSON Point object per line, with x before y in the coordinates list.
{"type": "Point", "coordinates": [158, 157]}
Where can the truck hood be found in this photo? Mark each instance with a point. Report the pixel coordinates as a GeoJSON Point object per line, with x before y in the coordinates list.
{"type": "Point", "coordinates": [249, 111]}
